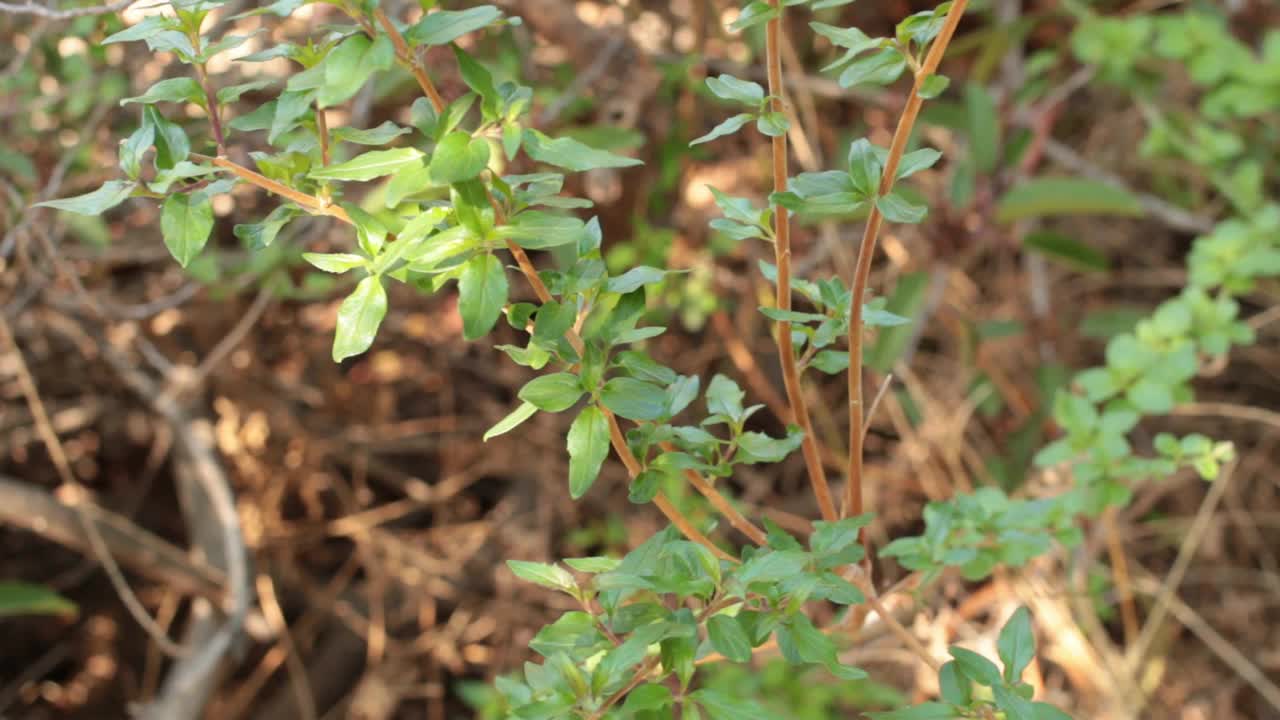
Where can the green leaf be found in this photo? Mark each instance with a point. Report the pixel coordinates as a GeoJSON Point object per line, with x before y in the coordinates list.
{"type": "Point", "coordinates": [879, 68]}
{"type": "Point", "coordinates": [1150, 396]}
{"type": "Point", "coordinates": [370, 165]}
{"type": "Point", "coordinates": [773, 124]}
{"type": "Point", "coordinates": [1016, 645]}
{"type": "Point", "coordinates": [733, 89]}
{"type": "Point", "coordinates": [633, 399]}
{"type": "Point", "coordinates": [553, 393]}
{"type": "Point", "coordinates": [539, 230]}
{"type": "Point", "coordinates": [1049, 196]}
{"type": "Point", "coordinates": [482, 289]}
{"type": "Point", "coordinates": [232, 93]}
{"type": "Point", "coordinates": [648, 697]}
{"type": "Point", "coordinates": [588, 443]}
{"type": "Point", "coordinates": [897, 209]}
{"type": "Point", "coordinates": [260, 235]}
{"type": "Point", "coordinates": [915, 161]}
{"type": "Point", "coordinates": [933, 86]}
{"type": "Point", "coordinates": [552, 577]}
{"type": "Point", "coordinates": [984, 127]}
{"type": "Point", "coordinates": [865, 166]}
{"type": "Point", "coordinates": [830, 362]}
{"type": "Point", "coordinates": [336, 263]}
{"type": "Point", "coordinates": [458, 157]}
{"type": "Point", "coordinates": [850, 38]}
{"type": "Point", "coordinates": [1015, 706]}
{"type": "Point", "coordinates": [359, 317]}
{"type": "Point", "coordinates": [510, 422]}
{"type": "Point", "coordinates": [186, 221]}
{"type": "Point", "coordinates": [635, 278]}
{"type": "Point", "coordinates": [1068, 250]}
{"type": "Point", "coordinates": [755, 13]}
{"type": "Point", "coordinates": [571, 154]}
{"type": "Point", "coordinates": [445, 26]}
{"type": "Point", "coordinates": [755, 447]}
{"type": "Point", "coordinates": [134, 147]}
{"type": "Point", "coordinates": [773, 566]}
{"type": "Point", "coordinates": [724, 397]}
{"type": "Point", "coordinates": [348, 66]}
{"type": "Point", "coordinates": [111, 194]}
{"type": "Point", "coordinates": [954, 687]}
{"type": "Point", "coordinates": [143, 29]}
{"type": "Point", "coordinates": [976, 667]}
{"type": "Point", "coordinates": [728, 638]}
{"type": "Point", "coordinates": [19, 598]}
{"type": "Point", "coordinates": [180, 89]}
{"type": "Point", "coordinates": [728, 127]}
{"type": "Point", "coordinates": [380, 135]}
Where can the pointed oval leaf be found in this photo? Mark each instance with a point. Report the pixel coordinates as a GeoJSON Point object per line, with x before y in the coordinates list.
{"type": "Point", "coordinates": [359, 317]}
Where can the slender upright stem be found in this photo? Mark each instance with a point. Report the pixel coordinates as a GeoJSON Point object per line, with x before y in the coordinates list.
{"type": "Point", "coordinates": [853, 490]}
{"type": "Point", "coordinates": [407, 56]}
{"type": "Point", "coordinates": [211, 99]}
{"type": "Point", "coordinates": [322, 132]}
{"type": "Point", "coordinates": [782, 257]}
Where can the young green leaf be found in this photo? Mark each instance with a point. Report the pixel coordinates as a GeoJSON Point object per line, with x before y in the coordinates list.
{"type": "Point", "coordinates": [728, 638]}
{"type": "Point", "coordinates": [348, 66]}
{"type": "Point", "coordinates": [633, 399]}
{"type": "Point", "coordinates": [552, 577]}
{"type": "Point", "coordinates": [180, 89]}
{"type": "Point", "coordinates": [445, 26]}
{"type": "Point", "coordinates": [552, 393]}
{"type": "Point", "coordinates": [976, 667]}
{"type": "Point", "coordinates": [482, 291]}
{"type": "Point", "coordinates": [571, 154]}
{"type": "Point", "coordinates": [773, 124]}
{"type": "Point", "coordinates": [370, 165]}
{"type": "Point", "coordinates": [879, 68]}
{"type": "Point", "coordinates": [733, 89]}
{"type": "Point", "coordinates": [186, 221]}
{"type": "Point", "coordinates": [539, 230]}
{"type": "Point", "coordinates": [336, 263]}
{"type": "Point", "coordinates": [899, 210]}
{"type": "Point", "coordinates": [458, 157]}
{"type": "Point", "coordinates": [111, 194]}
{"type": "Point", "coordinates": [588, 444]}
{"type": "Point", "coordinates": [728, 127]}
{"type": "Point", "coordinates": [359, 317]}
{"type": "Point", "coordinates": [1016, 645]}
{"type": "Point", "coordinates": [511, 421]}
{"type": "Point", "coordinates": [755, 13]}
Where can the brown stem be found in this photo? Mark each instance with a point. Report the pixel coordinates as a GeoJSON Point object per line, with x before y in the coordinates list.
{"type": "Point", "coordinates": [407, 56]}
{"type": "Point", "coordinates": [853, 490]}
{"type": "Point", "coordinates": [782, 257]}
{"type": "Point", "coordinates": [309, 202]}
{"type": "Point", "coordinates": [673, 513]}
{"type": "Point", "coordinates": [211, 99]}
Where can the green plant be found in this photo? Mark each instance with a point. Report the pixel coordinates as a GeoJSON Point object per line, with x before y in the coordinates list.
{"type": "Point", "coordinates": [445, 212]}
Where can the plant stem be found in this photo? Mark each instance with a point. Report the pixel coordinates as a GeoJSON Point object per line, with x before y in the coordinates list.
{"type": "Point", "coordinates": [407, 56]}
{"type": "Point", "coordinates": [322, 132]}
{"type": "Point", "coordinates": [782, 257]}
{"type": "Point", "coordinates": [308, 202]}
{"type": "Point", "coordinates": [672, 512]}
{"type": "Point", "coordinates": [853, 490]}
{"type": "Point", "coordinates": [211, 99]}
